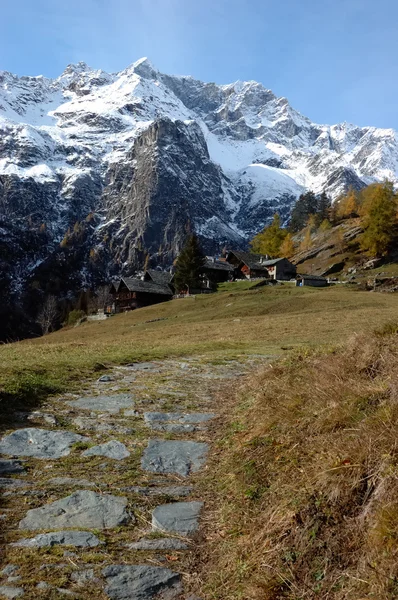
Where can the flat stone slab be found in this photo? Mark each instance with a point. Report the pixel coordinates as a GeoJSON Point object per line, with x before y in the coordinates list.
{"type": "Point", "coordinates": [79, 539]}
{"type": "Point", "coordinates": [110, 404]}
{"type": "Point", "coordinates": [141, 582]}
{"type": "Point", "coordinates": [170, 490]}
{"type": "Point", "coordinates": [6, 482]}
{"type": "Point", "coordinates": [91, 424]}
{"type": "Point", "coordinates": [8, 591]}
{"type": "Point", "coordinates": [185, 418]}
{"type": "Point", "coordinates": [173, 427]}
{"type": "Point", "coordinates": [180, 457]}
{"type": "Point", "coordinates": [178, 517]}
{"type": "Point", "coordinates": [11, 467]}
{"type": "Point", "coordinates": [84, 577]}
{"type": "Point", "coordinates": [158, 544]}
{"type": "Point", "coordinates": [82, 509]}
{"type": "Point", "coordinates": [39, 443]}
{"type": "Point", "coordinates": [112, 449]}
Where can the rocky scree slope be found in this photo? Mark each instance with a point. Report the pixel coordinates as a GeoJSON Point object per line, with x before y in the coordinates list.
{"type": "Point", "coordinates": [139, 157]}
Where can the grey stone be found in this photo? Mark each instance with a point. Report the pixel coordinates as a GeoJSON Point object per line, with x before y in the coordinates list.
{"type": "Point", "coordinates": [37, 415]}
{"type": "Point", "coordinates": [131, 413]}
{"type": "Point", "coordinates": [84, 509]}
{"type": "Point", "coordinates": [83, 577]}
{"type": "Point", "coordinates": [11, 467]}
{"type": "Point", "coordinates": [91, 424]}
{"type": "Point", "coordinates": [144, 366]}
{"type": "Point", "coordinates": [9, 591]}
{"type": "Point", "coordinates": [80, 539]}
{"type": "Point", "coordinates": [180, 457]}
{"type": "Point", "coordinates": [71, 481]}
{"type": "Point", "coordinates": [141, 582]}
{"type": "Point", "coordinates": [158, 544]}
{"type": "Point", "coordinates": [6, 482]}
{"type": "Point", "coordinates": [112, 449]}
{"type": "Point", "coordinates": [9, 570]}
{"type": "Point", "coordinates": [185, 418]}
{"type": "Point", "coordinates": [106, 378]}
{"type": "Point", "coordinates": [42, 585]}
{"type": "Point", "coordinates": [178, 517]}
{"type": "Point", "coordinates": [66, 592]}
{"type": "Point", "coordinates": [39, 443]}
{"type": "Point", "coordinates": [110, 404]}
{"type": "Point", "coordinates": [173, 427]}
{"type": "Point", "coordinates": [171, 490]}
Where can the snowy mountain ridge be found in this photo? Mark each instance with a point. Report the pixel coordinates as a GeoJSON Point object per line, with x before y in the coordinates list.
{"type": "Point", "coordinates": [152, 154]}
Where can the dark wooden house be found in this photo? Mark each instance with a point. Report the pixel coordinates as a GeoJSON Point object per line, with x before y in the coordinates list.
{"type": "Point", "coordinates": [129, 293]}
{"type": "Point", "coordinates": [216, 271]}
{"type": "Point", "coordinates": [159, 277]}
{"type": "Point", "coordinates": [311, 280]}
{"type": "Point", "coordinates": [253, 266]}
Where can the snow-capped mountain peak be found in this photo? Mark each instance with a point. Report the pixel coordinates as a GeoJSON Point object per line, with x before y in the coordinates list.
{"type": "Point", "coordinates": [127, 144]}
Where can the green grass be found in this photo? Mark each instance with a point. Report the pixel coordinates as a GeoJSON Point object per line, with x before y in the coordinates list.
{"type": "Point", "coordinates": [267, 320]}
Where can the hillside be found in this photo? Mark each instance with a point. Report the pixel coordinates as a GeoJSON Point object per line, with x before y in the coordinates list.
{"type": "Point", "coordinates": [236, 320]}
{"type": "Point", "coordinates": [274, 409]}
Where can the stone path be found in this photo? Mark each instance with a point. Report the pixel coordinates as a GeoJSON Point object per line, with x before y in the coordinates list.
{"type": "Point", "coordinates": [98, 489]}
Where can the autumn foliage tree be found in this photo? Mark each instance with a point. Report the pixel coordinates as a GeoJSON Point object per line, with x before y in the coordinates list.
{"type": "Point", "coordinates": [379, 218]}
{"type": "Point", "coordinates": [269, 241]}
{"type": "Point", "coordinates": [347, 206]}
{"type": "Point", "coordinates": [287, 248]}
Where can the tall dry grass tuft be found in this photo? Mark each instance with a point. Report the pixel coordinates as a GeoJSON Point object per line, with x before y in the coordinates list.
{"type": "Point", "coordinates": [307, 480]}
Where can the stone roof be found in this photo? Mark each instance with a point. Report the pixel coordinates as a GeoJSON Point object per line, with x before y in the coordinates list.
{"type": "Point", "coordinates": [149, 287]}
{"type": "Point", "coordinates": [317, 277]}
{"type": "Point", "coordinates": [257, 262]}
{"type": "Point", "coordinates": [217, 265]}
{"type": "Point", "coordinates": [160, 277]}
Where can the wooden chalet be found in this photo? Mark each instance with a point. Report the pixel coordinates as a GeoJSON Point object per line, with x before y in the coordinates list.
{"type": "Point", "coordinates": [159, 277]}
{"type": "Point", "coordinates": [254, 266]}
{"type": "Point", "coordinates": [216, 271]}
{"type": "Point", "coordinates": [311, 280]}
{"type": "Point", "coordinates": [129, 293]}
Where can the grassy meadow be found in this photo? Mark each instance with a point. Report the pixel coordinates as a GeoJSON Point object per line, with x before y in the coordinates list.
{"type": "Point", "coordinates": [239, 319]}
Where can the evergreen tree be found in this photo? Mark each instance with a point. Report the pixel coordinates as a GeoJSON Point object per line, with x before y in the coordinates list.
{"type": "Point", "coordinates": [306, 205]}
{"type": "Point", "coordinates": [379, 218]}
{"type": "Point", "coordinates": [189, 266]}
{"type": "Point", "coordinates": [269, 240]}
{"type": "Point", "coordinates": [323, 210]}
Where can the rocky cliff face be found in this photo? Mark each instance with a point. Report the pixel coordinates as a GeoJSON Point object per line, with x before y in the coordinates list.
{"type": "Point", "coordinates": [120, 166]}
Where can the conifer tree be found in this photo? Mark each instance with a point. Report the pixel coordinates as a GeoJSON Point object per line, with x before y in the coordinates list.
{"type": "Point", "coordinates": [269, 240]}
{"type": "Point", "coordinates": [189, 266]}
{"type": "Point", "coordinates": [323, 210]}
{"type": "Point", "coordinates": [306, 205]}
{"type": "Point", "coordinates": [347, 206]}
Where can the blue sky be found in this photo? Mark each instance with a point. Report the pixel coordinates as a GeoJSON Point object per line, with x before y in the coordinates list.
{"type": "Point", "coordinates": [335, 60]}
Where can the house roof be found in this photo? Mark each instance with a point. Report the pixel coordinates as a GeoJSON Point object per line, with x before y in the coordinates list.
{"type": "Point", "coordinates": [149, 287]}
{"type": "Point", "coordinates": [217, 265]}
{"type": "Point", "coordinates": [258, 262]}
{"type": "Point", "coordinates": [316, 277]}
{"type": "Point", "coordinates": [160, 277]}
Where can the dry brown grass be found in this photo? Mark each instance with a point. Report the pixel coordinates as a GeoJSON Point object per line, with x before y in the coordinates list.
{"type": "Point", "coordinates": [306, 480]}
